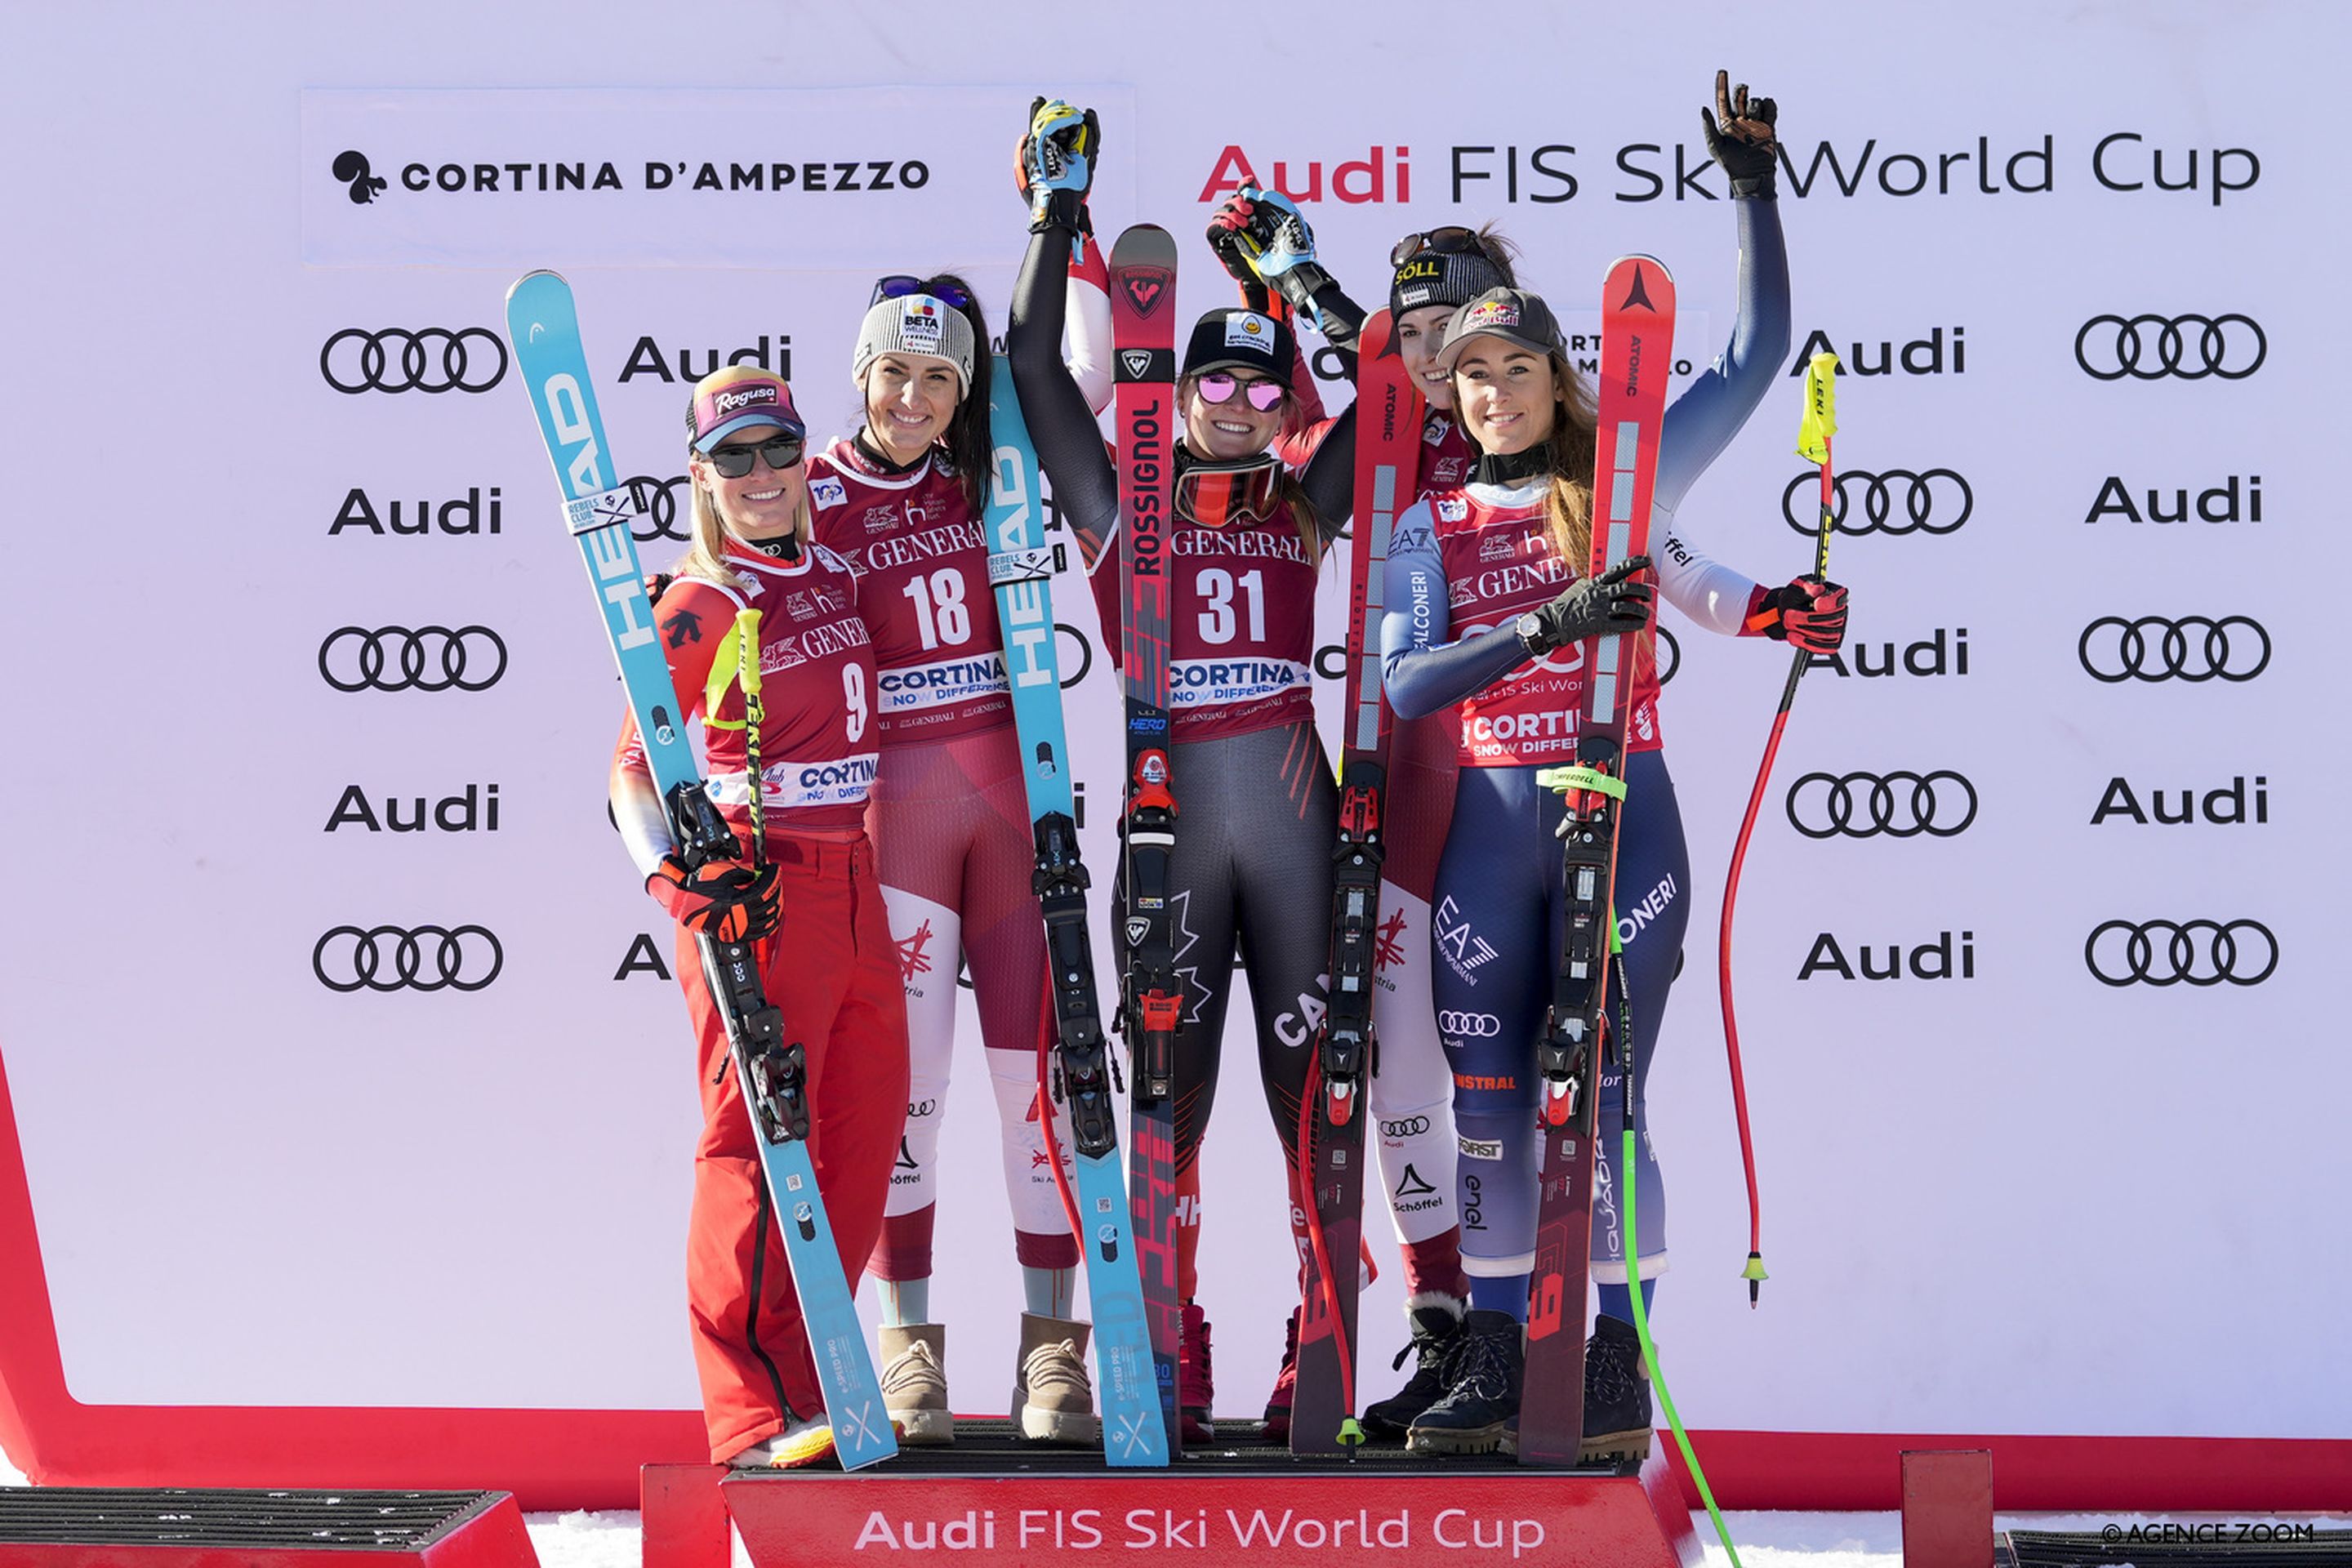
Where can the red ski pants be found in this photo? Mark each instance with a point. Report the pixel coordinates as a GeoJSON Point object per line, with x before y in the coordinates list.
{"type": "Point", "coordinates": [832, 971]}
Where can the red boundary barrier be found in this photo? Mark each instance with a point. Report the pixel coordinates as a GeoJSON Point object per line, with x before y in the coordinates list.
{"type": "Point", "coordinates": [591, 1459]}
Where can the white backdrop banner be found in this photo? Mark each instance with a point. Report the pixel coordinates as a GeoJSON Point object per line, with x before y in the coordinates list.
{"type": "Point", "coordinates": [347, 1067]}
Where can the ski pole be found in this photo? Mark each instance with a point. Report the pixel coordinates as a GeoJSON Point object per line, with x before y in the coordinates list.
{"type": "Point", "coordinates": [1812, 442]}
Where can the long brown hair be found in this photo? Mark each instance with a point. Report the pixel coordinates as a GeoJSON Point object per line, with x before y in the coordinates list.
{"type": "Point", "coordinates": [1568, 452]}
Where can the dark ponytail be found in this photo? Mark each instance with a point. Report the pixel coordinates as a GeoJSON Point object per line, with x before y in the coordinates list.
{"type": "Point", "coordinates": [972, 451]}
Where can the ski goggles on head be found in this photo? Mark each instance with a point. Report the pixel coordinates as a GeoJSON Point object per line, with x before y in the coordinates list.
{"type": "Point", "coordinates": [1452, 238]}
{"type": "Point", "coordinates": [733, 462]}
{"type": "Point", "coordinates": [1219, 386]}
{"type": "Point", "coordinates": [898, 285]}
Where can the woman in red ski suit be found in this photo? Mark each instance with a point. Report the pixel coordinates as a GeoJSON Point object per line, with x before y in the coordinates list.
{"type": "Point", "coordinates": [828, 964]}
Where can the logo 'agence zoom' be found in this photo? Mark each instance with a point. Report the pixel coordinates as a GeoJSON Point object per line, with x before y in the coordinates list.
{"type": "Point", "coordinates": [429, 658]}
{"type": "Point", "coordinates": [2194, 952]}
{"type": "Point", "coordinates": [426, 958]}
{"type": "Point", "coordinates": [430, 359]}
{"type": "Point", "coordinates": [2130, 654]}
{"type": "Point", "coordinates": [1935, 500]}
{"type": "Point", "coordinates": [658, 510]}
{"type": "Point", "coordinates": [1940, 804]}
{"type": "Point", "coordinates": [2188, 348]}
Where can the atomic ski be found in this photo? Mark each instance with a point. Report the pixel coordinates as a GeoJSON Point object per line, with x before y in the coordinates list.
{"type": "Point", "coordinates": [1332, 1115]}
{"type": "Point", "coordinates": [1637, 335]}
{"type": "Point", "coordinates": [1143, 321]}
{"type": "Point", "coordinates": [599, 510]}
{"type": "Point", "coordinates": [1020, 569]}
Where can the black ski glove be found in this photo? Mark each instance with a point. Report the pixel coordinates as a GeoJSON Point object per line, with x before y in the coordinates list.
{"type": "Point", "coordinates": [1740, 136]}
{"type": "Point", "coordinates": [1609, 602]}
{"type": "Point", "coordinates": [1808, 613]}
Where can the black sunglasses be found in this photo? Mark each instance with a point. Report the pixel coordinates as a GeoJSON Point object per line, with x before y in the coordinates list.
{"type": "Point", "coordinates": [898, 285]}
{"type": "Point", "coordinates": [1453, 239]}
{"type": "Point", "coordinates": [733, 462]}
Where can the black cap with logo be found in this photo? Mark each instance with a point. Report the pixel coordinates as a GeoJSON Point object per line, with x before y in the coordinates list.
{"type": "Point", "coordinates": [1241, 339]}
{"type": "Point", "coordinates": [1520, 319]}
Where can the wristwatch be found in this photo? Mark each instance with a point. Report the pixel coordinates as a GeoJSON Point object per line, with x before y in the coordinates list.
{"type": "Point", "coordinates": [1530, 627]}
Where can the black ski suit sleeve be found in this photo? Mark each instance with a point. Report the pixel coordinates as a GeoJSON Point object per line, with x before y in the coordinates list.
{"type": "Point", "coordinates": [1061, 426]}
{"type": "Point", "coordinates": [1069, 444]}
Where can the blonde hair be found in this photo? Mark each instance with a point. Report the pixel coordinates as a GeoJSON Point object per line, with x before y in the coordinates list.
{"type": "Point", "coordinates": [705, 555]}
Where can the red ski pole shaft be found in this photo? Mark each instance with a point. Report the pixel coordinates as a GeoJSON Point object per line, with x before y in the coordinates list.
{"type": "Point", "coordinates": [1813, 441]}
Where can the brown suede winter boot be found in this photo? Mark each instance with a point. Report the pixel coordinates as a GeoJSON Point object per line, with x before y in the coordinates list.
{"type": "Point", "coordinates": [1052, 1402]}
{"type": "Point", "coordinates": [914, 1382]}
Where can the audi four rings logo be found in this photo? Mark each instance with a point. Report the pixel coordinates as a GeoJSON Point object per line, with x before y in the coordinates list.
{"type": "Point", "coordinates": [1469, 1026]}
{"type": "Point", "coordinates": [658, 508]}
{"type": "Point", "coordinates": [428, 658]}
{"type": "Point", "coordinates": [426, 958]}
{"type": "Point", "coordinates": [2188, 348]}
{"type": "Point", "coordinates": [2131, 653]}
{"type": "Point", "coordinates": [1940, 804]}
{"type": "Point", "coordinates": [1935, 500]}
{"type": "Point", "coordinates": [1669, 654]}
{"type": "Point", "coordinates": [430, 359]}
{"type": "Point", "coordinates": [2194, 952]}
{"type": "Point", "coordinates": [1404, 1127]}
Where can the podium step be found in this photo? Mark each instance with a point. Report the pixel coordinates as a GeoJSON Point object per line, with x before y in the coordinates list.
{"type": "Point", "coordinates": [171, 1527]}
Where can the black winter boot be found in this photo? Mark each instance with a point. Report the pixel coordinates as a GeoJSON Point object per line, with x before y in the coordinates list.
{"type": "Point", "coordinates": [1483, 1399]}
{"type": "Point", "coordinates": [1616, 1395]}
{"type": "Point", "coordinates": [1436, 1319]}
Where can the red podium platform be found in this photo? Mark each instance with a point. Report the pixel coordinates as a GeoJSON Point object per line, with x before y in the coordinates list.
{"type": "Point", "coordinates": [990, 1500]}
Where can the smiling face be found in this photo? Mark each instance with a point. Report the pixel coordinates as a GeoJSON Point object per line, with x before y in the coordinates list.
{"type": "Point", "coordinates": [765, 504]}
{"type": "Point", "coordinates": [909, 399]}
{"type": "Point", "coordinates": [1417, 333]}
{"type": "Point", "coordinates": [1504, 394]}
{"type": "Point", "coordinates": [1228, 431]}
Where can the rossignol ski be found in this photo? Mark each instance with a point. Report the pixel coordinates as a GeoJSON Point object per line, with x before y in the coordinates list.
{"type": "Point", "coordinates": [1020, 569]}
{"type": "Point", "coordinates": [1637, 334]}
{"type": "Point", "coordinates": [1143, 321]}
{"type": "Point", "coordinates": [599, 511]}
{"type": "Point", "coordinates": [1331, 1113]}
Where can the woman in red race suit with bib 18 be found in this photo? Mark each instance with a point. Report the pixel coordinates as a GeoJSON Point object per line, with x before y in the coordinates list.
{"type": "Point", "coordinates": [831, 971]}
{"type": "Point", "coordinates": [903, 501]}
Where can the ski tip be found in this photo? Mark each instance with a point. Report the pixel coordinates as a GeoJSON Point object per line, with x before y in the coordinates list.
{"type": "Point", "coordinates": [536, 273]}
{"type": "Point", "coordinates": [1144, 244]}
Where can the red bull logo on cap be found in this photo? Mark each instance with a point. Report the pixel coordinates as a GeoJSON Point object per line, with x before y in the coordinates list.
{"type": "Point", "coordinates": [1491, 313]}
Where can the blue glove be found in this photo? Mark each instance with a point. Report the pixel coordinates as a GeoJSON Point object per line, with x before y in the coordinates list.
{"type": "Point", "coordinates": [1057, 161]}
{"type": "Point", "coordinates": [1278, 238]}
